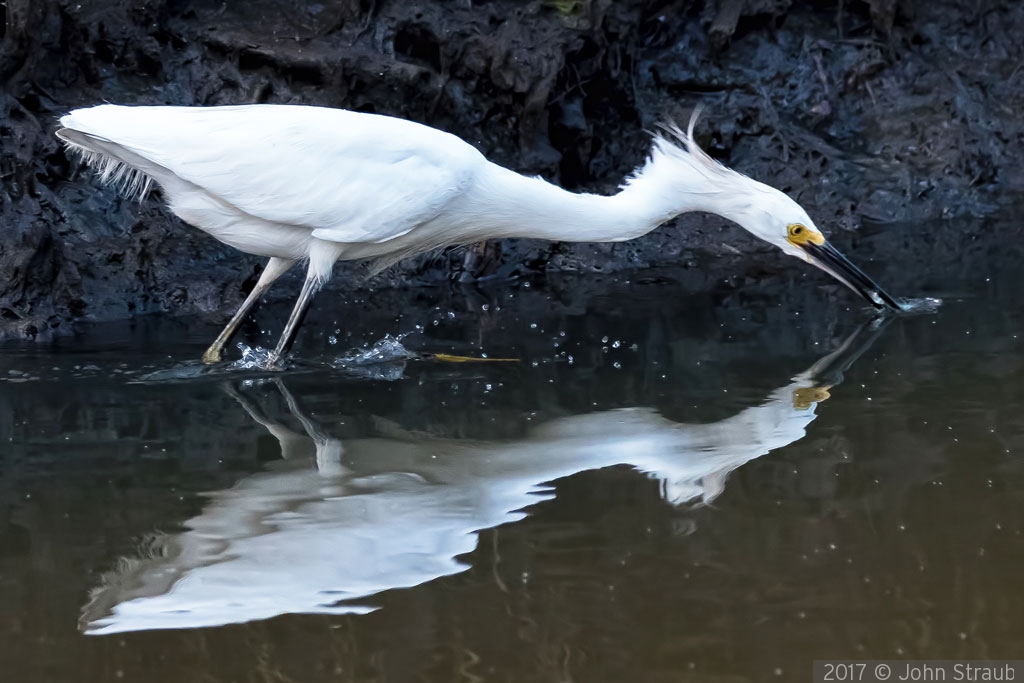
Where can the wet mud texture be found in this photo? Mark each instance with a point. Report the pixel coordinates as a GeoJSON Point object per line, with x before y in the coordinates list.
{"type": "Point", "coordinates": [866, 111]}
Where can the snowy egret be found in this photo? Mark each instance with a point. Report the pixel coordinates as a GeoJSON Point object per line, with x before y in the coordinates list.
{"type": "Point", "coordinates": [298, 183]}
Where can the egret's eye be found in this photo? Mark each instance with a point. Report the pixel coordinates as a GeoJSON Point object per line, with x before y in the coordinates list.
{"type": "Point", "coordinates": [800, 235]}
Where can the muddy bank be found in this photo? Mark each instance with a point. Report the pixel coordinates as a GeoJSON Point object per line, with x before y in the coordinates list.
{"type": "Point", "coordinates": [867, 112]}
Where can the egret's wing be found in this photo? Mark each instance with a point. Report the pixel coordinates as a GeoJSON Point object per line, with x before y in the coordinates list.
{"type": "Point", "coordinates": [352, 177]}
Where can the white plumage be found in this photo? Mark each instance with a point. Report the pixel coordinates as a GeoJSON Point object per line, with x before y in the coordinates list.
{"type": "Point", "coordinates": [339, 176]}
{"type": "Point", "coordinates": [306, 183]}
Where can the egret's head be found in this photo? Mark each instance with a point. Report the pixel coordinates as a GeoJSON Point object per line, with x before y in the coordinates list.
{"type": "Point", "coordinates": [680, 167]}
{"type": "Point", "coordinates": [775, 218]}
{"type": "Point", "coordinates": [771, 215]}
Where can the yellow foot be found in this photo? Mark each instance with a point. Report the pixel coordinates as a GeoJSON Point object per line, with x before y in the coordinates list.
{"type": "Point", "coordinates": [211, 356]}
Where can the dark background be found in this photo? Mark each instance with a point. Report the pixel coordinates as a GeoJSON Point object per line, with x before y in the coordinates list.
{"type": "Point", "coordinates": [868, 112]}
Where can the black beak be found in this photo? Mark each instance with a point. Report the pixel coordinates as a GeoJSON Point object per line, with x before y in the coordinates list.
{"type": "Point", "coordinates": [829, 259]}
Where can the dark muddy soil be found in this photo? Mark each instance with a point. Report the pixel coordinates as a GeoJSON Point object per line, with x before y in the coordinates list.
{"type": "Point", "coordinates": [876, 111]}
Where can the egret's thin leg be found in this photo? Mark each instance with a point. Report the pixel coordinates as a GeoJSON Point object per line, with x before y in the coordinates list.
{"type": "Point", "coordinates": [276, 267]}
{"type": "Point", "coordinates": [291, 328]}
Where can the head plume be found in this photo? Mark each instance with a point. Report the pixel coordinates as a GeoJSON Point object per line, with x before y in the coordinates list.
{"type": "Point", "coordinates": [675, 151]}
{"type": "Point", "coordinates": [681, 175]}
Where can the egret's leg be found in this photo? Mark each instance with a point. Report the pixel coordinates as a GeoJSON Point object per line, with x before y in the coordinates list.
{"type": "Point", "coordinates": [276, 267]}
{"type": "Point", "coordinates": [291, 328]}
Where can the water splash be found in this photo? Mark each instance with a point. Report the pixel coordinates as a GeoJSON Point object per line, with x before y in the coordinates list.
{"type": "Point", "coordinates": [387, 350]}
{"type": "Point", "coordinates": [385, 360]}
{"type": "Point", "coordinates": [253, 358]}
{"type": "Point", "coordinates": [923, 305]}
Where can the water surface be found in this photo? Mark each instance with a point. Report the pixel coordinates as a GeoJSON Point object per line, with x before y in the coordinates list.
{"type": "Point", "coordinates": [720, 486]}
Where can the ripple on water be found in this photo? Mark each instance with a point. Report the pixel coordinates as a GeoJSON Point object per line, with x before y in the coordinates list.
{"type": "Point", "coordinates": [923, 305]}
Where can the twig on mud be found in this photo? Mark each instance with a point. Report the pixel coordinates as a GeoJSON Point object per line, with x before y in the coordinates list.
{"type": "Point", "coordinates": [861, 42]}
{"type": "Point", "coordinates": [773, 114]}
{"type": "Point", "coordinates": [366, 22]}
{"type": "Point", "coordinates": [871, 93]}
{"type": "Point", "coordinates": [821, 73]}
{"type": "Point", "coordinates": [1013, 74]}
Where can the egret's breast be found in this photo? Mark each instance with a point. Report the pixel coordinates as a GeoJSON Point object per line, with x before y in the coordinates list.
{"type": "Point", "coordinates": [237, 229]}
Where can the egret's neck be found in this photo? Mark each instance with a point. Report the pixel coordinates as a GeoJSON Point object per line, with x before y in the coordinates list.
{"type": "Point", "coordinates": [512, 205]}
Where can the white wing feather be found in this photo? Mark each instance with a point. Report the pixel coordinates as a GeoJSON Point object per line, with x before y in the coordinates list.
{"type": "Point", "coordinates": [348, 176]}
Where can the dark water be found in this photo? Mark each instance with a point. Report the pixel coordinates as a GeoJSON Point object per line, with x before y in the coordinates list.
{"type": "Point", "coordinates": [666, 486]}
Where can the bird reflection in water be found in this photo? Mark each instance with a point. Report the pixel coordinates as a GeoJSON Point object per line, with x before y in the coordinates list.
{"type": "Point", "coordinates": [337, 521]}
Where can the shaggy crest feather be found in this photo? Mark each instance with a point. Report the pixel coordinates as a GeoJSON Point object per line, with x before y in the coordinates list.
{"type": "Point", "coordinates": [674, 151]}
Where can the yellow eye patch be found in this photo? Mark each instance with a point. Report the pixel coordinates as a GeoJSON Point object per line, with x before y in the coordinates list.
{"type": "Point", "coordinates": [800, 235]}
{"type": "Point", "coordinates": [805, 397]}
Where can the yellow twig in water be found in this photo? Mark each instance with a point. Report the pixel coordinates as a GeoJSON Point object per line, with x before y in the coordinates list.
{"type": "Point", "coordinates": [449, 358]}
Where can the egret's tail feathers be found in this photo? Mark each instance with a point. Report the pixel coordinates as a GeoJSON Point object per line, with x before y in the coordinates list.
{"type": "Point", "coordinates": [97, 153]}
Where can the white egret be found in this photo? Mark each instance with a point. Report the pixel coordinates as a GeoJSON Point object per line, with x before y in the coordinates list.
{"type": "Point", "coordinates": [298, 183]}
